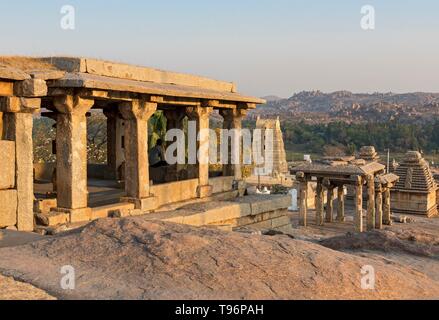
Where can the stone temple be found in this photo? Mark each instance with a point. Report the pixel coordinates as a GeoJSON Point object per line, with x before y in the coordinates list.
{"type": "Point", "coordinates": [67, 90]}
{"type": "Point", "coordinates": [416, 190]}
{"type": "Point", "coordinates": [279, 160]}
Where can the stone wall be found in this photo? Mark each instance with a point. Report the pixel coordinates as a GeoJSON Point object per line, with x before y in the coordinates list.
{"type": "Point", "coordinates": [8, 192]}
{"type": "Point", "coordinates": [413, 203]}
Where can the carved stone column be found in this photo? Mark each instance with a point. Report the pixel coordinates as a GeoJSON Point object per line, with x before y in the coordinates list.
{"type": "Point", "coordinates": [303, 206]}
{"type": "Point", "coordinates": [340, 201]}
{"type": "Point", "coordinates": [115, 135]}
{"type": "Point", "coordinates": [358, 218]}
{"type": "Point", "coordinates": [371, 202]}
{"type": "Point", "coordinates": [329, 202]}
{"type": "Point", "coordinates": [319, 202]}
{"type": "Point", "coordinates": [174, 120]}
{"type": "Point", "coordinates": [386, 207]}
{"type": "Point", "coordinates": [201, 115]}
{"type": "Point", "coordinates": [379, 207]}
{"type": "Point", "coordinates": [233, 123]}
{"type": "Point", "coordinates": [71, 156]}
{"type": "Point", "coordinates": [136, 115]}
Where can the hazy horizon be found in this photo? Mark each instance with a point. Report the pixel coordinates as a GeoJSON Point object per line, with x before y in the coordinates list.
{"type": "Point", "coordinates": [277, 47]}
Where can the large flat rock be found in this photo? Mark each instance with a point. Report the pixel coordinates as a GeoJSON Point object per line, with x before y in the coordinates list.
{"type": "Point", "coordinates": [133, 258]}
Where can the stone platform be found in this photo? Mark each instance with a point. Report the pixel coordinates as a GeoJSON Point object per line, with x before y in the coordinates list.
{"type": "Point", "coordinates": [255, 212]}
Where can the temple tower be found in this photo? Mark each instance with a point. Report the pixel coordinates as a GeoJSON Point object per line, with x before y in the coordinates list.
{"type": "Point", "coordinates": [280, 166]}
{"type": "Point", "coordinates": [416, 190]}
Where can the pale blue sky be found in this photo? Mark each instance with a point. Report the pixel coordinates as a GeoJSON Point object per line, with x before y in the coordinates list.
{"type": "Point", "coordinates": [266, 46]}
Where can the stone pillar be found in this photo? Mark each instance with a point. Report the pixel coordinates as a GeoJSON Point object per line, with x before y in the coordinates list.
{"type": "Point", "coordinates": [340, 200]}
{"type": "Point", "coordinates": [136, 114]}
{"type": "Point", "coordinates": [71, 157]}
{"type": "Point", "coordinates": [174, 118]}
{"type": "Point", "coordinates": [201, 115]}
{"type": "Point", "coordinates": [379, 207]}
{"type": "Point", "coordinates": [371, 202]}
{"type": "Point", "coordinates": [115, 134]}
{"type": "Point", "coordinates": [358, 218]}
{"type": "Point", "coordinates": [1, 125]}
{"type": "Point", "coordinates": [17, 126]}
{"type": "Point", "coordinates": [303, 206]}
{"type": "Point", "coordinates": [319, 203]}
{"type": "Point", "coordinates": [330, 203]}
{"type": "Point", "coordinates": [233, 121]}
{"type": "Point", "coordinates": [386, 207]}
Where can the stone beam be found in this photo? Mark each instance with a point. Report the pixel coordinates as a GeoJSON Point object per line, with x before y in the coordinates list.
{"type": "Point", "coordinates": [136, 115]}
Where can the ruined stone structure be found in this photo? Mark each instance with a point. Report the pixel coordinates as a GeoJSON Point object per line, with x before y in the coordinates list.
{"type": "Point", "coordinates": [415, 193]}
{"type": "Point", "coordinates": [331, 176]}
{"type": "Point", "coordinates": [67, 89]}
{"type": "Point", "coordinates": [369, 154]}
{"type": "Point", "coordinates": [280, 166]}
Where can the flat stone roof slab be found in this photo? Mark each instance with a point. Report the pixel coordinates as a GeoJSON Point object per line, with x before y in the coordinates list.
{"type": "Point", "coordinates": [84, 80]}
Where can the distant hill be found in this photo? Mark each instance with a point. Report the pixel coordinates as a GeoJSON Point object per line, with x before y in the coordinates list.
{"type": "Point", "coordinates": [319, 107]}
{"type": "Point", "coordinates": [272, 98]}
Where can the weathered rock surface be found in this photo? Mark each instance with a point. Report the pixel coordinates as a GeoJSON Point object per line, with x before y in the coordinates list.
{"type": "Point", "coordinates": [133, 258]}
{"type": "Point", "coordinates": [14, 290]}
{"type": "Point", "coordinates": [414, 242]}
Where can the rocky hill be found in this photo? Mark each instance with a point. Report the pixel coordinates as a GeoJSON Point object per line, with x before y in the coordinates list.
{"type": "Point", "coordinates": [318, 107]}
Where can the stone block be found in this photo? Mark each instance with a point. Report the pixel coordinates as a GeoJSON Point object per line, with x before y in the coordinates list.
{"type": "Point", "coordinates": [19, 104]}
{"type": "Point", "coordinates": [52, 219]}
{"type": "Point", "coordinates": [109, 210]}
{"type": "Point", "coordinates": [7, 161]}
{"type": "Point", "coordinates": [80, 215]}
{"type": "Point", "coordinates": [8, 208]}
{"type": "Point", "coordinates": [6, 88]}
{"type": "Point", "coordinates": [30, 88]}
{"type": "Point", "coordinates": [44, 205]}
{"type": "Point", "coordinates": [145, 204]}
{"type": "Point", "coordinates": [270, 204]}
{"type": "Point", "coordinates": [204, 191]}
{"type": "Point", "coordinates": [75, 215]}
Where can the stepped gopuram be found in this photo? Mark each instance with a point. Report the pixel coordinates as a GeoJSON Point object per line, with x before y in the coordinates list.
{"type": "Point", "coordinates": [334, 174]}
{"type": "Point", "coordinates": [280, 165]}
{"type": "Point", "coordinates": [68, 90]}
{"type": "Point", "coordinates": [415, 193]}
{"type": "Point", "coordinates": [369, 154]}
